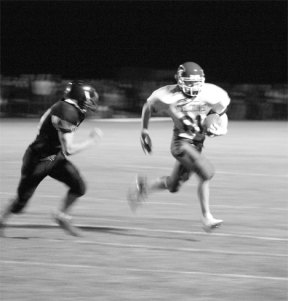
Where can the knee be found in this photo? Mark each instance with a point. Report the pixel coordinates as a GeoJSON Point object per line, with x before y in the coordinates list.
{"type": "Point", "coordinates": [204, 169]}
{"type": "Point", "coordinates": [79, 189]}
{"type": "Point", "coordinates": [173, 186]}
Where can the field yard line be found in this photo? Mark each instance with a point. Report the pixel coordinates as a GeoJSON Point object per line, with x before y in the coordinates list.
{"type": "Point", "coordinates": [145, 166]}
{"type": "Point", "coordinates": [234, 235]}
{"type": "Point", "coordinates": [192, 232]}
{"type": "Point", "coordinates": [160, 271]}
{"type": "Point", "coordinates": [161, 203]}
{"type": "Point", "coordinates": [251, 174]}
{"type": "Point", "coordinates": [245, 174]}
{"type": "Point", "coordinates": [189, 250]}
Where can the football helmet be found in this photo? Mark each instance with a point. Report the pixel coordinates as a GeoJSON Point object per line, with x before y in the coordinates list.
{"type": "Point", "coordinates": [190, 78]}
{"type": "Point", "coordinates": [83, 94]}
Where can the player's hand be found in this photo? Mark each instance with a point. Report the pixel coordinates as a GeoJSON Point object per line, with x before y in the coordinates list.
{"type": "Point", "coordinates": [214, 130]}
{"type": "Point", "coordinates": [96, 134]}
{"type": "Point", "coordinates": [146, 141]}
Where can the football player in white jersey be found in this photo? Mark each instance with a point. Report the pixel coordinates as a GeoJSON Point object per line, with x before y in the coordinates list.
{"type": "Point", "coordinates": [188, 103]}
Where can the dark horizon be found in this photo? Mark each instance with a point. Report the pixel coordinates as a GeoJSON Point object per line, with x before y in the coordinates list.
{"type": "Point", "coordinates": [244, 41]}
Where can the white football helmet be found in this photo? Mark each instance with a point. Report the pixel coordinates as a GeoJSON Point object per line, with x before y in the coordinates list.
{"type": "Point", "coordinates": [190, 78]}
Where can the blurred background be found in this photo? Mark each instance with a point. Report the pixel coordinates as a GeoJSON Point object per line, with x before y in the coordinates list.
{"type": "Point", "coordinates": [127, 49]}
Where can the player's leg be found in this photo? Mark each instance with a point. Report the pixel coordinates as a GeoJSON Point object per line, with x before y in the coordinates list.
{"type": "Point", "coordinates": [209, 222]}
{"type": "Point", "coordinates": [190, 156]}
{"type": "Point", "coordinates": [137, 192]}
{"type": "Point", "coordinates": [195, 161]}
{"type": "Point", "coordinates": [203, 191]}
{"type": "Point", "coordinates": [64, 171]}
{"type": "Point", "coordinates": [142, 187]}
{"type": "Point", "coordinates": [180, 173]}
{"type": "Point", "coordinates": [33, 172]}
{"type": "Point", "coordinates": [178, 176]}
{"type": "Point", "coordinates": [171, 183]}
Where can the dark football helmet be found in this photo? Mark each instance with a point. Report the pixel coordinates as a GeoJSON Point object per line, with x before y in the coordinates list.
{"type": "Point", "coordinates": [83, 93]}
{"type": "Point", "coordinates": [190, 78]}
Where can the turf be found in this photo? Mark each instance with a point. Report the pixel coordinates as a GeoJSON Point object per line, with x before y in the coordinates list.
{"type": "Point", "coordinates": [160, 253]}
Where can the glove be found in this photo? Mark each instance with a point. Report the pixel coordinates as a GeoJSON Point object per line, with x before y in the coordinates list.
{"type": "Point", "coordinates": [146, 141]}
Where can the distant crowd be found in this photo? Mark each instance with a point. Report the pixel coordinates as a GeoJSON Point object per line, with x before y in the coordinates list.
{"type": "Point", "coordinates": [29, 94]}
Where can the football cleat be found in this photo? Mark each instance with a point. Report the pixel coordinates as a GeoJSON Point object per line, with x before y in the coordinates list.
{"type": "Point", "coordinates": [65, 222]}
{"type": "Point", "coordinates": [137, 193]}
{"type": "Point", "coordinates": [210, 223]}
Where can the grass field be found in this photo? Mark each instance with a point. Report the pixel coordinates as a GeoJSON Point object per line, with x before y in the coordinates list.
{"type": "Point", "coordinates": [161, 253]}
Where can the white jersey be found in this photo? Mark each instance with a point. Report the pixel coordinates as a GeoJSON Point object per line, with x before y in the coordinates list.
{"type": "Point", "coordinates": [170, 100]}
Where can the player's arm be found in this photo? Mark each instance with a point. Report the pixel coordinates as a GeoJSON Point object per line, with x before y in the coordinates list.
{"type": "Point", "coordinates": [220, 127]}
{"type": "Point", "coordinates": [146, 115]}
{"type": "Point", "coordinates": [66, 132]}
{"type": "Point", "coordinates": [145, 139]}
{"type": "Point", "coordinates": [69, 147]}
{"type": "Point", "coordinates": [223, 129]}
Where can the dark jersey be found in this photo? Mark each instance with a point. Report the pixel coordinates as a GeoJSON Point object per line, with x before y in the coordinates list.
{"type": "Point", "coordinates": [63, 116]}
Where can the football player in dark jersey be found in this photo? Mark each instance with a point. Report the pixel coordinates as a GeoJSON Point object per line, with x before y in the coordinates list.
{"type": "Point", "coordinates": [47, 154]}
{"type": "Point", "coordinates": [188, 103]}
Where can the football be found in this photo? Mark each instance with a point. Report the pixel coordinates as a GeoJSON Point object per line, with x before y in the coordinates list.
{"type": "Point", "coordinates": [212, 119]}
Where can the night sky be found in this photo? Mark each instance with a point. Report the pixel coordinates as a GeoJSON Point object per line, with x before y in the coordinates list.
{"type": "Point", "coordinates": [234, 41]}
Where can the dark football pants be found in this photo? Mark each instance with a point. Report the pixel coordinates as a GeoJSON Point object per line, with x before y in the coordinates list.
{"type": "Point", "coordinates": [189, 160]}
{"type": "Point", "coordinates": [33, 171]}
